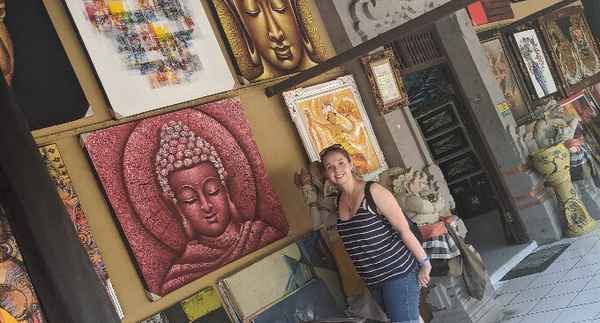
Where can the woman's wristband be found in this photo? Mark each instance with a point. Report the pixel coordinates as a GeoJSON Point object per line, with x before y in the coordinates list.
{"type": "Point", "coordinates": [424, 260]}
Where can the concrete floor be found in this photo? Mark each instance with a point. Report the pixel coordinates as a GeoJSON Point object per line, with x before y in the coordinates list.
{"type": "Point", "coordinates": [485, 234]}
{"type": "Point", "coordinates": [568, 291]}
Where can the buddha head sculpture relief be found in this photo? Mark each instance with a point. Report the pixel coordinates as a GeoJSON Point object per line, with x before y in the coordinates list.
{"type": "Point", "coordinates": [190, 191]}
{"type": "Point", "coordinates": [270, 38]}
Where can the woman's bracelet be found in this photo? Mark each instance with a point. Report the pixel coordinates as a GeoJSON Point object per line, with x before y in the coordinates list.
{"type": "Point", "coordinates": [424, 260]}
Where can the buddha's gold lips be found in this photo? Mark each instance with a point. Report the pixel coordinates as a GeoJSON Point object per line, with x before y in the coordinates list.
{"type": "Point", "coordinates": [283, 52]}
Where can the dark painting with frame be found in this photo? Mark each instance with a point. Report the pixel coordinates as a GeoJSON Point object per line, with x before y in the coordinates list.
{"type": "Point", "coordinates": [428, 89]}
{"type": "Point", "coordinates": [448, 144]}
{"type": "Point", "coordinates": [503, 66]}
{"type": "Point", "coordinates": [534, 64]}
{"type": "Point", "coordinates": [36, 66]}
{"type": "Point", "coordinates": [443, 118]}
{"type": "Point", "coordinates": [460, 166]}
{"type": "Point", "coordinates": [571, 45]}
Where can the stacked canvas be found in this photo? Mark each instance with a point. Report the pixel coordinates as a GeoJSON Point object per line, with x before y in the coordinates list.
{"type": "Point", "coordinates": [270, 286]}
{"type": "Point", "coordinates": [202, 307]}
{"type": "Point", "coordinates": [59, 174]}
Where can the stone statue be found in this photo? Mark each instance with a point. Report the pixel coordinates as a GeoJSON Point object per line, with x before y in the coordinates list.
{"type": "Point", "coordinates": [420, 199]}
{"type": "Point", "coordinates": [7, 59]}
{"type": "Point", "coordinates": [319, 195]}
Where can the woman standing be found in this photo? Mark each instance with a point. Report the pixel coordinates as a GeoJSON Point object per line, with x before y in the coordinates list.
{"type": "Point", "coordinates": [384, 251]}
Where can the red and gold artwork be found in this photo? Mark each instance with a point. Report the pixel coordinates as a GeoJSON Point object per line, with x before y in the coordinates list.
{"type": "Point", "coordinates": [190, 191]}
{"type": "Point", "coordinates": [18, 300]}
{"type": "Point", "coordinates": [64, 187]}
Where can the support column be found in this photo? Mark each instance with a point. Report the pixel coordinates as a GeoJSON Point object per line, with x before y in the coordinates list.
{"type": "Point", "coordinates": [66, 284]}
{"type": "Point", "coordinates": [532, 214]}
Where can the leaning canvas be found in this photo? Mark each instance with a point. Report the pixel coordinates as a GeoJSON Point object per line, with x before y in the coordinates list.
{"type": "Point", "coordinates": [151, 54]}
{"type": "Point", "coordinates": [269, 39]}
{"type": "Point", "coordinates": [18, 297]}
{"type": "Point", "coordinates": [64, 187]}
{"type": "Point", "coordinates": [311, 303]}
{"type": "Point", "coordinates": [333, 112]}
{"type": "Point", "coordinates": [202, 307]}
{"type": "Point", "coordinates": [189, 189]}
{"type": "Point", "coordinates": [246, 293]}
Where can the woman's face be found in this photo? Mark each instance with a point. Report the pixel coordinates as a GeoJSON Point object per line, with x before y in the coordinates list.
{"type": "Point", "coordinates": [202, 199]}
{"type": "Point", "coordinates": [338, 168]}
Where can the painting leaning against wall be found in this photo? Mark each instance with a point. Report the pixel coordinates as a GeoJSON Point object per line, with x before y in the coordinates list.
{"type": "Point", "coordinates": [64, 187]}
{"type": "Point", "coordinates": [190, 191]}
{"type": "Point", "coordinates": [18, 300]}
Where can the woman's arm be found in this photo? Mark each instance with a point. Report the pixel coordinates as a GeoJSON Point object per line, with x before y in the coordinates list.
{"type": "Point", "coordinates": [388, 206]}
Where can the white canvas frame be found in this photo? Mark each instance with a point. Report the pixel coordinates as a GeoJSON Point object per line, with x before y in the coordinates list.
{"type": "Point", "coordinates": [292, 98]}
{"type": "Point", "coordinates": [130, 93]}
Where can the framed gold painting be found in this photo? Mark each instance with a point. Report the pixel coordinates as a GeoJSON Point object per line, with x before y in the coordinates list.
{"type": "Point", "coordinates": [269, 39]}
{"type": "Point", "coordinates": [333, 112]}
{"type": "Point", "coordinates": [572, 46]}
{"type": "Point", "coordinates": [383, 71]}
{"type": "Point", "coordinates": [503, 68]}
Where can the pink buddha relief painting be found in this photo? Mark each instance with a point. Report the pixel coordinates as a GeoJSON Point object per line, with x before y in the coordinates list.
{"type": "Point", "coordinates": [190, 191]}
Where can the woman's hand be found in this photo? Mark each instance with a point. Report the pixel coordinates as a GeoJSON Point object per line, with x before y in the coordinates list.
{"type": "Point", "coordinates": [424, 272]}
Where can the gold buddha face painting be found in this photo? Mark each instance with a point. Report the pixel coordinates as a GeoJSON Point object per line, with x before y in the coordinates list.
{"type": "Point", "coordinates": [270, 38]}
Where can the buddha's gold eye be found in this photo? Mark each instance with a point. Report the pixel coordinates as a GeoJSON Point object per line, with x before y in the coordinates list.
{"type": "Point", "coordinates": [278, 5]}
{"type": "Point", "coordinates": [251, 7]}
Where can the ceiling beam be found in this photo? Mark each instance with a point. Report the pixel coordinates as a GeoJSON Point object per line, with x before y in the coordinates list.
{"type": "Point", "coordinates": [417, 24]}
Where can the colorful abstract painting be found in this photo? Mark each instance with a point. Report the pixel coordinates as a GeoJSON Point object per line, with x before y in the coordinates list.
{"type": "Point", "coordinates": [572, 45]}
{"type": "Point", "coordinates": [245, 294]}
{"type": "Point", "coordinates": [536, 65]}
{"type": "Point", "coordinates": [18, 300]}
{"type": "Point", "coordinates": [333, 112]}
{"type": "Point", "coordinates": [269, 39]}
{"type": "Point", "coordinates": [59, 174]}
{"type": "Point", "coordinates": [310, 303]}
{"type": "Point", "coordinates": [505, 76]}
{"type": "Point", "coordinates": [163, 51]}
{"type": "Point", "coordinates": [189, 189]}
{"type": "Point", "coordinates": [34, 63]}
{"type": "Point", "coordinates": [202, 307]}
{"type": "Point", "coordinates": [428, 88]}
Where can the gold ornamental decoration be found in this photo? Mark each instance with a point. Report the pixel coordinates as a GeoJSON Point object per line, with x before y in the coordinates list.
{"type": "Point", "coordinates": [554, 164]}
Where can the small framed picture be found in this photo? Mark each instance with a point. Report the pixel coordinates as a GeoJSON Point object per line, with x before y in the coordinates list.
{"type": "Point", "coordinates": [442, 119]}
{"type": "Point", "coordinates": [535, 65]}
{"type": "Point", "coordinates": [333, 113]}
{"type": "Point", "coordinates": [448, 144]}
{"type": "Point", "coordinates": [383, 71]}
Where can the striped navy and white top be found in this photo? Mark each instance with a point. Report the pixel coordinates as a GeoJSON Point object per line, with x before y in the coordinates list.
{"type": "Point", "coordinates": [375, 247]}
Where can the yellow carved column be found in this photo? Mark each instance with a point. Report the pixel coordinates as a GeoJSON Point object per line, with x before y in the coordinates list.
{"type": "Point", "coordinates": [554, 163]}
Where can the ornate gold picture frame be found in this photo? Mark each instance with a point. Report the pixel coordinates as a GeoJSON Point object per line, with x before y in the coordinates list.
{"type": "Point", "coordinates": [571, 45]}
{"type": "Point", "coordinates": [383, 71]}
{"type": "Point", "coordinates": [333, 112]}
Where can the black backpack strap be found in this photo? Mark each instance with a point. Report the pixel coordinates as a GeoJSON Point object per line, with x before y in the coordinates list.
{"type": "Point", "coordinates": [370, 200]}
